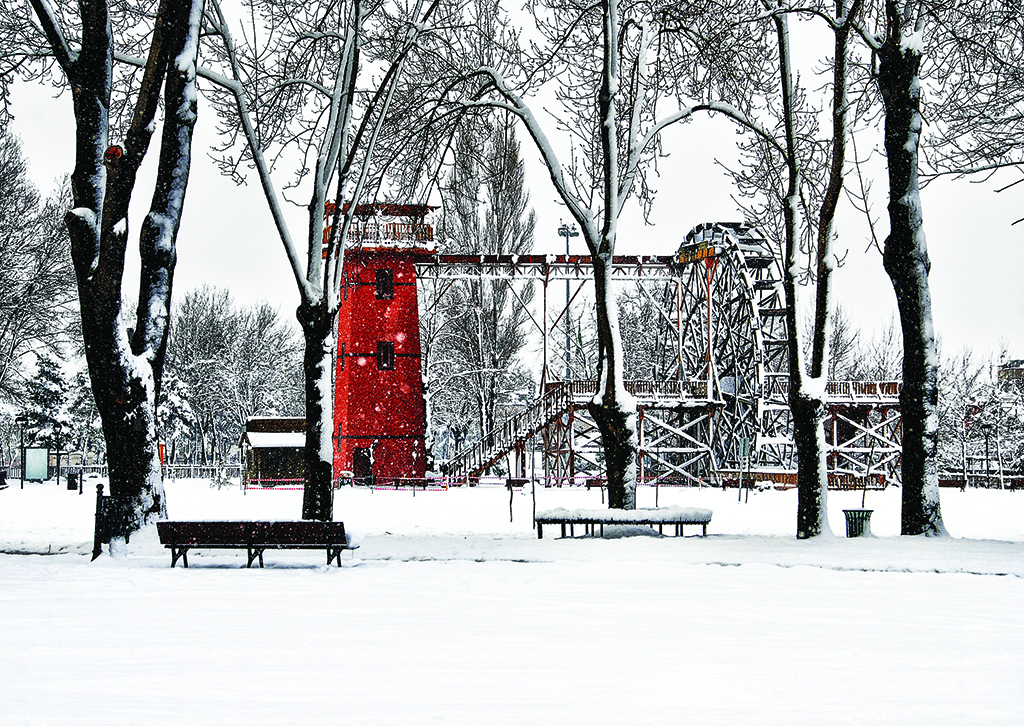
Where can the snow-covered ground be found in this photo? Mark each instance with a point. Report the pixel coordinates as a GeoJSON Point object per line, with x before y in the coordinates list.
{"type": "Point", "coordinates": [450, 614]}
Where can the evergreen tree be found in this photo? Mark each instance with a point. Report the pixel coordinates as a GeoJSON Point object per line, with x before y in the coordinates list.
{"type": "Point", "coordinates": [46, 406]}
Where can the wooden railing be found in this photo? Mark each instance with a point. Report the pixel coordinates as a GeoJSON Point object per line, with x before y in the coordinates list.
{"type": "Point", "coordinates": [171, 471]}
{"type": "Point", "coordinates": [845, 391]}
{"type": "Point", "coordinates": [638, 388]}
{"type": "Point", "coordinates": [190, 471]}
{"type": "Point", "coordinates": [854, 390]}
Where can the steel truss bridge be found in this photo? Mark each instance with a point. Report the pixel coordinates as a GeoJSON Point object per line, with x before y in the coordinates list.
{"type": "Point", "coordinates": [723, 383]}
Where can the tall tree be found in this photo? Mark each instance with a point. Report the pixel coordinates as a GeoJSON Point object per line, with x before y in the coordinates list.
{"type": "Point", "coordinates": [204, 327]}
{"type": "Point", "coordinates": [969, 53]}
{"type": "Point", "coordinates": [905, 258]}
{"type": "Point", "coordinates": [226, 364]}
{"type": "Point", "coordinates": [175, 418]}
{"type": "Point", "coordinates": [620, 72]}
{"type": "Point", "coordinates": [813, 171]}
{"type": "Point", "coordinates": [126, 360]}
{"type": "Point", "coordinates": [301, 91]}
{"type": "Point", "coordinates": [86, 427]}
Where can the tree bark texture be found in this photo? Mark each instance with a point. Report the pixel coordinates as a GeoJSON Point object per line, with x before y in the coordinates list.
{"type": "Point", "coordinates": [905, 258]}
{"type": "Point", "coordinates": [125, 365]}
{"type": "Point", "coordinates": [613, 410]}
{"type": "Point", "coordinates": [318, 325]}
{"type": "Point", "coordinates": [811, 471]}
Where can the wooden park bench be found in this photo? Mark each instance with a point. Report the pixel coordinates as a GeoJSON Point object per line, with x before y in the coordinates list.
{"type": "Point", "coordinates": [255, 537]}
{"type": "Point", "coordinates": [591, 518]}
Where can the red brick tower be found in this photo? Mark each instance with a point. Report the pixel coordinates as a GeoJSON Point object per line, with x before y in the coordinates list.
{"type": "Point", "coordinates": [379, 411]}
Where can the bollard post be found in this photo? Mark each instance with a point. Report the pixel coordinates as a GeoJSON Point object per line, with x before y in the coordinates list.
{"type": "Point", "coordinates": [97, 543]}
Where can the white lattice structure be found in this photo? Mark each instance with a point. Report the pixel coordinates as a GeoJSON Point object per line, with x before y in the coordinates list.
{"type": "Point", "coordinates": [722, 389]}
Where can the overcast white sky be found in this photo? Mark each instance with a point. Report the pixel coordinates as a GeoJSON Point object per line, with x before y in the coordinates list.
{"type": "Point", "coordinates": [227, 237]}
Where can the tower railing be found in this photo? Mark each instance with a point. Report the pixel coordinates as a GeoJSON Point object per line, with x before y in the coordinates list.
{"type": "Point", "coordinates": [390, 232]}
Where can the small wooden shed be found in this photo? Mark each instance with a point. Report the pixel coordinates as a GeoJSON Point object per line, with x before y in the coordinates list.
{"type": "Point", "coordinates": [272, 451]}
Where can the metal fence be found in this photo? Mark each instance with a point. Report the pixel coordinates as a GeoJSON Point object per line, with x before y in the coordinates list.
{"type": "Point", "coordinates": [171, 471]}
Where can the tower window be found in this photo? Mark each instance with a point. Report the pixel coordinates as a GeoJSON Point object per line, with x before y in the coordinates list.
{"type": "Point", "coordinates": [385, 355]}
{"type": "Point", "coordinates": [385, 285]}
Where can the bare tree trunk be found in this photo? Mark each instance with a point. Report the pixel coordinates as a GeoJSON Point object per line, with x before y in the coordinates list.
{"type": "Point", "coordinates": [612, 409]}
{"type": "Point", "coordinates": [805, 402]}
{"type": "Point", "coordinates": [905, 258]}
{"type": "Point", "coordinates": [318, 324]}
{"type": "Point", "coordinates": [125, 371]}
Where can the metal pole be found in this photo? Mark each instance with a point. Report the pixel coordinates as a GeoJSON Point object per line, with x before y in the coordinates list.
{"type": "Point", "coordinates": [567, 231]}
{"type": "Point", "coordinates": [544, 368]}
{"type": "Point", "coordinates": [568, 357]}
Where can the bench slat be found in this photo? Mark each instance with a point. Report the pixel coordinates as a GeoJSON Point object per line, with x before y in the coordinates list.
{"type": "Point", "coordinates": [255, 537]}
{"type": "Point", "coordinates": [677, 516]}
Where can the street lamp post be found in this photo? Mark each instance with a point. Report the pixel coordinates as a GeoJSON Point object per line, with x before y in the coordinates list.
{"type": "Point", "coordinates": [21, 421]}
{"type": "Point", "coordinates": [567, 231]}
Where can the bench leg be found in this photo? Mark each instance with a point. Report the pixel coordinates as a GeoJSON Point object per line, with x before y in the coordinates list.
{"type": "Point", "coordinates": [563, 530]}
{"type": "Point", "coordinates": [705, 533]}
{"type": "Point", "coordinates": [254, 554]}
{"type": "Point", "coordinates": [540, 531]}
{"type": "Point", "coordinates": [179, 553]}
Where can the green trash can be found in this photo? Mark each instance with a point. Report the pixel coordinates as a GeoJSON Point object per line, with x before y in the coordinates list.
{"type": "Point", "coordinates": [858, 522]}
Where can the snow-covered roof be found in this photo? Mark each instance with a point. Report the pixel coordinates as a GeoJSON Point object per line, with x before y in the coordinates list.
{"type": "Point", "coordinates": [267, 440]}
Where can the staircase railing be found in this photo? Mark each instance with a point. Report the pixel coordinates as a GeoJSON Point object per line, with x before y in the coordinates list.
{"type": "Point", "coordinates": [558, 398]}
{"type": "Point", "coordinates": [475, 459]}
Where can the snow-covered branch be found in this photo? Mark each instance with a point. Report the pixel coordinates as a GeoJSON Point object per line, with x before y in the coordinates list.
{"type": "Point", "coordinates": [55, 35]}
{"type": "Point", "coordinates": [235, 86]}
{"type": "Point", "coordinates": [583, 216]}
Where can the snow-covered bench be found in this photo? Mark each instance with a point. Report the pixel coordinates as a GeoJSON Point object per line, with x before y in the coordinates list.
{"type": "Point", "coordinates": [591, 518]}
{"type": "Point", "coordinates": [255, 537]}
